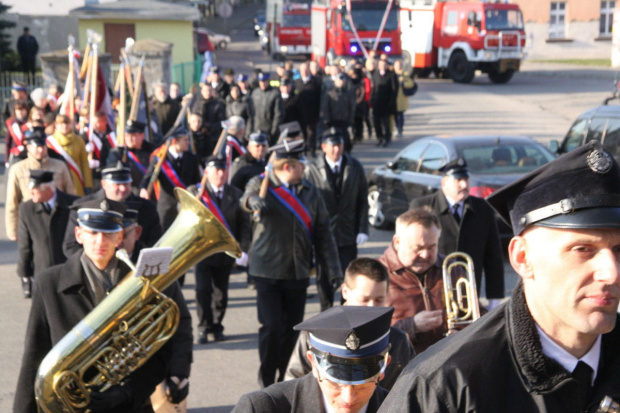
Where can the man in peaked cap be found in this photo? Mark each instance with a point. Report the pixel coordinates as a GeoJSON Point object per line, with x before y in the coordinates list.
{"type": "Point", "coordinates": [268, 108]}
{"type": "Point", "coordinates": [251, 163]}
{"type": "Point", "coordinates": [348, 352]}
{"type": "Point", "coordinates": [554, 346]}
{"type": "Point", "coordinates": [293, 223]}
{"type": "Point", "coordinates": [468, 225]}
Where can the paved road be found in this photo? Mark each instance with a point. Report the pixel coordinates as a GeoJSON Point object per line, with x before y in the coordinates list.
{"type": "Point", "coordinates": [540, 102]}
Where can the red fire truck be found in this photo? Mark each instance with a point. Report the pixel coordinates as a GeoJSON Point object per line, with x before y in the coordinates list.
{"type": "Point", "coordinates": [456, 38]}
{"type": "Point", "coordinates": [344, 29]}
{"type": "Point", "coordinates": [288, 28]}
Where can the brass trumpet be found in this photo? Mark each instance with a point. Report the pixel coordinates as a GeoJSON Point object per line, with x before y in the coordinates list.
{"type": "Point", "coordinates": [462, 297]}
{"type": "Point", "coordinates": [133, 322]}
{"type": "Point", "coordinates": [608, 405]}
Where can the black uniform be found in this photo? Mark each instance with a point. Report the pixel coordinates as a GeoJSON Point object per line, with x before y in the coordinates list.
{"type": "Point", "coordinates": [245, 168]}
{"type": "Point", "coordinates": [309, 98]}
{"type": "Point", "coordinates": [338, 110]}
{"type": "Point", "coordinates": [383, 102]}
{"type": "Point", "coordinates": [138, 164]}
{"type": "Point", "coordinates": [213, 112]}
{"type": "Point", "coordinates": [40, 234]}
{"type": "Point", "coordinates": [300, 396]}
{"type": "Point", "coordinates": [476, 235]}
{"type": "Point", "coordinates": [268, 112]}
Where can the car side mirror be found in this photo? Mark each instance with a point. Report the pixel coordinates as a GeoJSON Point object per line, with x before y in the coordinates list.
{"type": "Point", "coordinates": [390, 165]}
{"type": "Point", "coordinates": [554, 146]}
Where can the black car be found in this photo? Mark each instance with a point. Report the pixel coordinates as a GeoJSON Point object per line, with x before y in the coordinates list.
{"type": "Point", "coordinates": [493, 162]}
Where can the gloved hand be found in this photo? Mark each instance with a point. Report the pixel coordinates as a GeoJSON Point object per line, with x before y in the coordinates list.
{"type": "Point", "coordinates": [493, 302]}
{"type": "Point", "coordinates": [361, 238]}
{"type": "Point", "coordinates": [89, 147]}
{"type": "Point", "coordinates": [257, 203]}
{"type": "Point", "coordinates": [243, 260]}
{"type": "Point", "coordinates": [108, 400]}
{"type": "Point", "coordinates": [93, 163]}
{"type": "Point", "coordinates": [177, 389]}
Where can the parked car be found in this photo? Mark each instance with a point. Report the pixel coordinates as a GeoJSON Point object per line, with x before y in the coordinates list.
{"type": "Point", "coordinates": [601, 123]}
{"type": "Point", "coordinates": [203, 44]}
{"type": "Point", "coordinates": [259, 21]}
{"type": "Point", "coordinates": [220, 41]}
{"type": "Point", "coordinates": [493, 162]}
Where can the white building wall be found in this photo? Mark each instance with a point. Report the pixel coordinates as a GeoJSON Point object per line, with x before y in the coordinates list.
{"type": "Point", "coordinates": [583, 44]}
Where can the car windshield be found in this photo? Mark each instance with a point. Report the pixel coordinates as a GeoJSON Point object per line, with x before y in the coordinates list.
{"type": "Point", "coordinates": [517, 158]}
{"type": "Point", "coordinates": [296, 20]}
{"type": "Point", "coordinates": [503, 19]}
{"type": "Point", "coordinates": [370, 19]}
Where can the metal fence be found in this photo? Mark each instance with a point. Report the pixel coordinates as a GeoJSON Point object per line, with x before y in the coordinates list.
{"type": "Point", "coordinates": [185, 74]}
{"type": "Point", "coordinates": [7, 79]}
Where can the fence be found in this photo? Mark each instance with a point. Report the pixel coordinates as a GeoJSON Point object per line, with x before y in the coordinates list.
{"type": "Point", "coordinates": [7, 79]}
{"type": "Point", "coordinates": [187, 74]}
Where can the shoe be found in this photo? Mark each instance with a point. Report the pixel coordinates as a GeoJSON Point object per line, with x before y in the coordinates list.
{"type": "Point", "coordinates": [27, 286]}
{"type": "Point", "coordinates": [202, 338]}
{"type": "Point", "coordinates": [219, 336]}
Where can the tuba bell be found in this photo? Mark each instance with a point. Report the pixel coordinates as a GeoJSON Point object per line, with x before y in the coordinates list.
{"type": "Point", "coordinates": [462, 297]}
{"type": "Point", "coordinates": [133, 322]}
{"type": "Point", "coordinates": [608, 405]}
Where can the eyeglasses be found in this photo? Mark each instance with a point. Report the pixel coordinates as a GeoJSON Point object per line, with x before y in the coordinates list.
{"type": "Point", "coordinates": [341, 386]}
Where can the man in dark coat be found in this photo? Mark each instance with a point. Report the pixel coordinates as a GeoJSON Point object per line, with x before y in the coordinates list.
{"type": "Point", "coordinates": [64, 294]}
{"type": "Point", "coordinates": [251, 163]}
{"type": "Point", "coordinates": [342, 182]}
{"type": "Point", "coordinates": [221, 88]}
{"type": "Point", "coordinates": [41, 227]}
{"type": "Point", "coordinates": [213, 273]}
{"type": "Point", "coordinates": [167, 109]}
{"type": "Point", "coordinates": [213, 112]}
{"type": "Point", "coordinates": [472, 229]}
{"type": "Point", "coordinates": [554, 346]}
{"type": "Point", "coordinates": [338, 108]}
{"type": "Point", "coordinates": [348, 353]}
{"type": "Point", "coordinates": [116, 185]}
{"type": "Point", "coordinates": [268, 108]}
{"type": "Point", "coordinates": [281, 254]}
{"type": "Point", "coordinates": [383, 101]}
{"type": "Point", "coordinates": [308, 89]}
{"type": "Point", "coordinates": [28, 47]}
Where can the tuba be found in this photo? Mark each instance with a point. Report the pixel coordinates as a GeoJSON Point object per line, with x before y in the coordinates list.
{"type": "Point", "coordinates": [133, 321]}
{"type": "Point", "coordinates": [462, 297]}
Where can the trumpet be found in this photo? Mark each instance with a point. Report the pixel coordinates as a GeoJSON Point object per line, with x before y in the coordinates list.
{"type": "Point", "coordinates": [462, 297]}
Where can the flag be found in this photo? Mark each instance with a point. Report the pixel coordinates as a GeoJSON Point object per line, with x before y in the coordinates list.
{"type": "Point", "coordinates": [72, 86]}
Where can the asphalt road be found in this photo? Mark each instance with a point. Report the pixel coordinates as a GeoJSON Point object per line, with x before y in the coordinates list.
{"type": "Point", "coordinates": [539, 102]}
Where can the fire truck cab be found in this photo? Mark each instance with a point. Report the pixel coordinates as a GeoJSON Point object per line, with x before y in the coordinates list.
{"type": "Point", "coordinates": [288, 28]}
{"type": "Point", "coordinates": [456, 38]}
{"type": "Point", "coordinates": [333, 36]}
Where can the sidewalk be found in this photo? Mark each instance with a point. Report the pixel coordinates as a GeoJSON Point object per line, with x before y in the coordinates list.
{"type": "Point", "coordinates": [568, 71]}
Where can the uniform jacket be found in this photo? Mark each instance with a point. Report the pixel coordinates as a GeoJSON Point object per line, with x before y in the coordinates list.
{"type": "Point", "coordinates": [300, 396]}
{"type": "Point", "coordinates": [383, 95]}
{"type": "Point", "coordinates": [60, 300]}
{"type": "Point", "coordinates": [268, 111]}
{"type": "Point", "coordinates": [75, 147]}
{"type": "Point", "coordinates": [147, 219]}
{"type": "Point", "coordinates": [143, 154]}
{"type": "Point", "coordinates": [338, 107]}
{"type": "Point", "coordinates": [240, 107]}
{"type": "Point", "coordinates": [40, 234]}
{"type": "Point", "coordinates": [309, 96]}
{"type": "Point", "coordinates": [477, 235]}
{"type": "Point", "coordinates": [409, 295]}
{"type": "Point", "coordinates": [348, 207]}
{"type": "Point", "coordinates": [281, 248]}
{"type": "Point", "coordinates": [245, 168]}
{"type": "Point", "coordinates": [400, 350]}
{"type": "Point", "coordinates": [497, 365]}
{"type": "Point", "coordinates": [17, 185]}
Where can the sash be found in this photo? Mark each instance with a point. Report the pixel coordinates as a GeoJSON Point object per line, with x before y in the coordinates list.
{"type": "Point", "coordinates": [17, 135]}
{"type": "Point", "coordinates": [171, 174]}
{"type": "Point", "coordinates": [293, 204]}
{"type": "Point", "coordinates": [111, 139]}
{"type": "Point", "coordinates": [236, 145]}
{"type": "Point", "coordinates": [70, 161]}
{"type": "Point", "coordinates": [215, 210]}
{"type": "Point", "coordinates": [97, 144]}
{"type": "Point", "coordinates": [136, 161]}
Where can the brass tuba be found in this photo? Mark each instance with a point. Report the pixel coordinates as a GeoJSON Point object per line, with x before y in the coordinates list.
{"type": "Point", "coordinates": [608, 405]}
{"type": "Point", "coordinates": [133, 321]}
{"type": "Point", "coordinates": [462, 297]}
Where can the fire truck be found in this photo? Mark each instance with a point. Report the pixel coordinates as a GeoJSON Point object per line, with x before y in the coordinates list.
{"type": "Point", "coordinates": [288, 28]}
{"type": "Point", "coordinates": [344, 29]}
{"type": "Point", "coordinates": [456, 38]}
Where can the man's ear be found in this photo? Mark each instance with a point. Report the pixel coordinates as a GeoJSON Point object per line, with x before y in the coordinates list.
{"type": "Point", "coordinates": [78, 234]}
{"type": "Point", "coordinates": [345, 291]}
{"type": "Point", "coordinates": [396, 241]}
{"type": "Point", "coordinates": [138, 231]}
{"type": "Point", "coordinates": [119, 240]}
{"type": "Point", "coordinates": [310, 357]}
{"type": "Point", "coordinates": [518, 255]}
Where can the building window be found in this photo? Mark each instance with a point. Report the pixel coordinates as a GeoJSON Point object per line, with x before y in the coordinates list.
{"type": "Point", "coordinates": [557, 20]}
{"type": "Point", "coordinates": [606, 21]}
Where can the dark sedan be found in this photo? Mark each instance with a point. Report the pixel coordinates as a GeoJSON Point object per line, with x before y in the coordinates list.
{"type": "Point", "coordinates": [493, 162]}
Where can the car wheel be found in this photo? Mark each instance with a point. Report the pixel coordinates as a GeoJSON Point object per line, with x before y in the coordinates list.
{"type": "Point", "coordinates": [460, 69]}
{"type": "Point", "coordinates": [376, 218]}
{"type": "Point", "coordinates": [223, 44]}
{"type": "Point", "coordinates": [500, 77]}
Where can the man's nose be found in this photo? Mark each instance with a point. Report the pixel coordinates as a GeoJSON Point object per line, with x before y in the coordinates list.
{"type": "Point", "coordinates": [607, 267]}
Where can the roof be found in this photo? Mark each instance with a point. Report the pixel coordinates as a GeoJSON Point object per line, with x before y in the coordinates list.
{"type": "Point", "coordinates": [137, 10]}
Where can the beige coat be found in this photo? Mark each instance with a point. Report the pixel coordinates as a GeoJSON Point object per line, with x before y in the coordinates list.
{"type": "Point", "coordinates": [17, 186]}
{"type": "Point", "coordinates": [76, 148]}
{"type": "Point", "coordinates": [402, 101]}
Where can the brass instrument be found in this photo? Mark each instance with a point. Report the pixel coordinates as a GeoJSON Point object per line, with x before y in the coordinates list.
{"type": "Point", "coordinates": [462, 297]}
{"type": "Point", "coordinates": [608, 405]}
{"type": "Point", "coordinates": [133, 322]}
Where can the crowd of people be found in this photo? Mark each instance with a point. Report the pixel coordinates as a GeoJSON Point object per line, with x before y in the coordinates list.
{"type": "Point", "coordinates": [248, 148]}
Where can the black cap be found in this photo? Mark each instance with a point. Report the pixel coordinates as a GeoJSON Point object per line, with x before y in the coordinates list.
{"type": "Point", "coordinates": [36, 137]}
{"type": "Point", "coordinates": [130, 216]}
{"type": "Point", "coordinates": [290, 149]}
{"type": "Point", "coordinates": [214, 69]}
{"type": "Point", "coordinates": [580, 189]}
{"type": "Point", "coordinates": [333, 136]}
{"type": "Point", "coordinates": [263, 76]}
{"type": "Point", "coordinates": [118, 174]}
{"type": "Point", "coordinates": [293, 129]}
{"type": "Point", "coordinates": [216, 161]}
{"type": "Point", "coordinates": [241, 77]}
{"type": "Point", "coordinates": [456, 168]}
{"type": "Point", "coordinates": [180, 131]}
{"type": "Point", "coordinates": [38, 177]}
{"type": "Point", "coordinates": [342, 333]}
{"type": "Point", "coordinates": [259, 137]}
{"type": "Point", "coordinates": [100, 215]}
{"type": "Point", "coordinates": [134, 127]}
{"type": "Point", "coordinates": [229, 71]}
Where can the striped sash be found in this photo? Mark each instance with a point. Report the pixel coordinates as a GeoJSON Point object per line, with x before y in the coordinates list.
{"type": "Point", "coordinates": [70, 161]}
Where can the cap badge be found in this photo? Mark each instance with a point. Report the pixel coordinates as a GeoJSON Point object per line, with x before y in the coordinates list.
{"type": "Point", "coordinates": [352, 342]}
{"type": "Point", "coordinates": [460, 162]}
{"type": "Point", "coordinates": [599, 161]}
{"type": "Point", "coordinates": [104, 205]}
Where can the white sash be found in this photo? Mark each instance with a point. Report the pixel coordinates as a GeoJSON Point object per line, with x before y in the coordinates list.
{"type": "Point", "coordinates": [70, 161]}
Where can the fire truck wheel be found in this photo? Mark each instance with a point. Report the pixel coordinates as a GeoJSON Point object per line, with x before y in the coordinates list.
{"type": "Point", "coordinates": [499, 77]}
{"type": "Point", "coordinates": [460, 69]}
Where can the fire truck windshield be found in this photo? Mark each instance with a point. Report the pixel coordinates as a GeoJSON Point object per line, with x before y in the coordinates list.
{"type": "Point", "coordinates": [296, 20]}
{"type": "Point", "coordinates": [370, 20]}
{"type": "Point", "coordinates": [503, 19]}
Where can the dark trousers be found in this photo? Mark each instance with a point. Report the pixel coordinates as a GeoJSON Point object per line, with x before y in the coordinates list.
{"type": "Point", "coordinates": [29, 65]}
{"type": "Point", "coordinates": [310, 134]}
{"type": "Point", "coordinates": [211, 295]}
{"type": "Point", "coordinates": [367, 121]}
{"type": "Point", "coordinates": [281, 305]}
{"type": "Point", "coordinates": [324, 284]}
{"type": "Point", "coordinates": [399, 119]}
{"type": "Point", "coordinates": [382, 127]}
